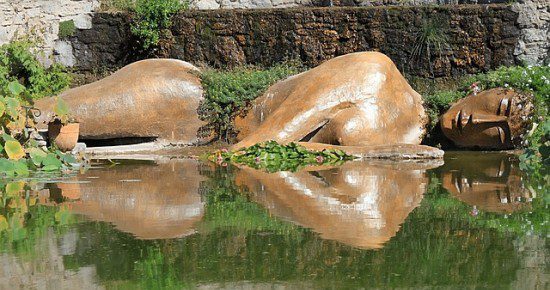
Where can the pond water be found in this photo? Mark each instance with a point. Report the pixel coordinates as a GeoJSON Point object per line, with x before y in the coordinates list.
{"type": "Point", "coordinates": [477, 221]}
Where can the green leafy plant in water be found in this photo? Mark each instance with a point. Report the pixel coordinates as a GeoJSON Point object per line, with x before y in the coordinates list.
{"type": "Point", "coordinates": [272, 156]}
{"type": "Point", "coordinates": [19, 154]}
{"type": "Point", "coordinates": [19, 207]}
{"type": "Point", "coordinates": [229, 94]}
{"type": "Point", "coordinates": [18, 63]}
{"type": "Point", "coordinates": [152, 18]}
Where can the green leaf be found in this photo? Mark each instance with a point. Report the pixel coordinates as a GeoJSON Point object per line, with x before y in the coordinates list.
{"type": "Point", "coordinates": [15, 88]}
{"type": "Point", "coordinates": [61, 108]}
{"type": "Point", "coordinates": [37, 155]}
{"type": "Point", "coordinates": [14, 188]}
{"type": "Point", "coordinates": [51, 167]}
{"type": "Point", "coordinates": [7, 137]}
{"type": "Point", "coordinates": [3, 223]}
{"type": "Point", "coordinates": [12, 106]}
{"type": "Point", "coordinates": [66, 158]}
{"type": "Point", "coordinates": [7, 167]}
{"type": "Point", "coordinates": [2, 108]}
{"type": "Point", "coordinates": [21, 167]}
{"type": "Point", "coordinates": [14, 150]}
{"type": "Point", "coordinates": [51, 162]}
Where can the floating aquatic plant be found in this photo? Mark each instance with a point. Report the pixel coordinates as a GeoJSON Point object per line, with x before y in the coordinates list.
{"type": "Point", "coordinates": [272, 156]}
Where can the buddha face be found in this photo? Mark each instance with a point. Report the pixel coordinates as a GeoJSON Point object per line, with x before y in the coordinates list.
{"type": "Point", "coordinates": [481, 120]}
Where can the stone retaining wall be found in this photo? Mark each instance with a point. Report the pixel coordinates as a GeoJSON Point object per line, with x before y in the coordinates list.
{"type": "Point", "coordinates": [40, 19]}
{"type": "Point", "coordinates": [262, 4]}
{"type": "Point", "coordinates": [478, 37]}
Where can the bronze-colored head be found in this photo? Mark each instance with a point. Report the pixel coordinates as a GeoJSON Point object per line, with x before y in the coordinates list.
{"type": "Point", "coordinates": [493, 119]}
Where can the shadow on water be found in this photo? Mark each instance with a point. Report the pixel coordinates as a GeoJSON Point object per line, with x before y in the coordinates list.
{"type": "Point", "coordinates": [475, 221]}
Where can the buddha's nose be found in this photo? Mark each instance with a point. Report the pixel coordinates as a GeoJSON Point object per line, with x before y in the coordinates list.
{"type": "Point", "coordinates": [481, 119]}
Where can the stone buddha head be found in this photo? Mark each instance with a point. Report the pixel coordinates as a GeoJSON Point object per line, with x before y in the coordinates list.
{"type": "Point", "coordinates": [493, 119]}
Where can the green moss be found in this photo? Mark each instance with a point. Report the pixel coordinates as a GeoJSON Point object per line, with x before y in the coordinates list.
{"type": "Point", "coordinates": [66, 29]}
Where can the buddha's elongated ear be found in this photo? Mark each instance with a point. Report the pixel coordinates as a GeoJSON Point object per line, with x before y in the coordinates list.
{"type": "Point", "coordinates": [522, 112]}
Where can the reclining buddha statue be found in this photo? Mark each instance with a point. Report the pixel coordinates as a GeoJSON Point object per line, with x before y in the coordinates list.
{"type": "Point", "coordinates": [362, 102]}
{"type": "Point", "coordinates": [358, 102]}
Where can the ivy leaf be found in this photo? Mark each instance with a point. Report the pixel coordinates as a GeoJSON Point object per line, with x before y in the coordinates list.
{"type": "Point", "coordinates": [14, 150]}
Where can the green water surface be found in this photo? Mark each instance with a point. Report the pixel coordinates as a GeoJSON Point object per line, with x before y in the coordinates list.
{"type": "Point", "coordinates": [475, 221]}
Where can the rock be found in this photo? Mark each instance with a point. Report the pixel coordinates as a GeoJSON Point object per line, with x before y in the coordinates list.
{"type": "Point", "coordinates": [63, 53]}
{"type": "Point", "coordinates": [79, 149]}
{"type": "Point", "coordinates": [155, 98]}
{"type": "Point", "coordinates": [359, 99]}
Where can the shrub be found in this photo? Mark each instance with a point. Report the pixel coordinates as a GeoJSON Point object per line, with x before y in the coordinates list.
{"type": "Point", "coordinates": [151, 19]}
{"type": "Point", "coordinates": [229, 93]}
{"type": "Point", "coordinates": [17, 63]}
{"type": "Point", "coordinates": [535, 79]}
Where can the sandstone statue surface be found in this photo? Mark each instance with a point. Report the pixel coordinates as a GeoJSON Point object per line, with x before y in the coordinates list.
{"type": "Point", "coordinates": [494, 119]}
{"type": "Point", "coordinates": [155, 98]}
{"type": "Point", "coordinates": [359, 99]}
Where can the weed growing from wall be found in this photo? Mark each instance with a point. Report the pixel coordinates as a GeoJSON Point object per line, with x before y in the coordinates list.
{"type": "Point", "coordinates": [431, 39]}
{"type": "Point", "coordinates": [66, 29]}
{"type": "Point", "coordinates": [152, 19]}
{"type": "Point", "coordinates": [117, 5]}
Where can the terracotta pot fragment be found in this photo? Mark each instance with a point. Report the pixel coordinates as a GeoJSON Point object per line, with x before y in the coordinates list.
{"type": "Point", "coordinates": [64, 137]}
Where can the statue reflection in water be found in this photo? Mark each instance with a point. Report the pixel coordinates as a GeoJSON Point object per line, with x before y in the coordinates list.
{"type": "Point", "coordinates": [488, 182]}
{"type": "Point", "coordinates": [151, 200]}
{"type": "Point", "coordinates": [360, 203]}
